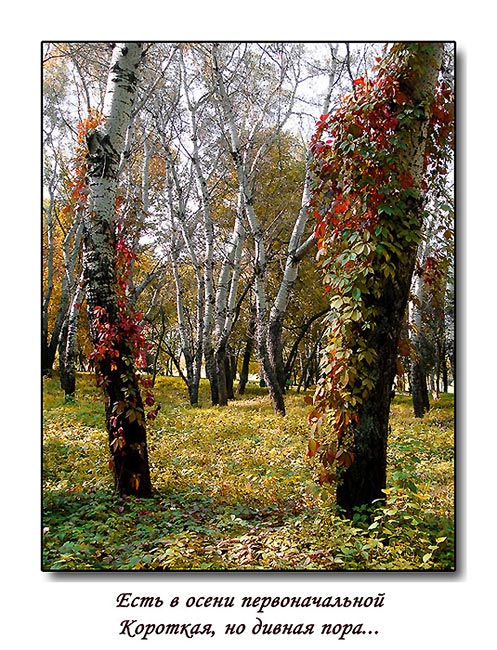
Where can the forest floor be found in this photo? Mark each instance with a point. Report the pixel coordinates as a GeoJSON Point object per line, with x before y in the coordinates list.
{"type": "Point", "coordinates": [233, 490]}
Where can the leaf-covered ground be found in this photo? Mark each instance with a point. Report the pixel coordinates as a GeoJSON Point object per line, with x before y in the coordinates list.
{"type": "Point", "coordinates": [233, 490]}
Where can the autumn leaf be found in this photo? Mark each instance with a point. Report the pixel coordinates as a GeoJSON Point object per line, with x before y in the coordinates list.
{"type": "Point", "coordinates": [312, 448]}
{"type": "Point", "coordinates": [345, 458]}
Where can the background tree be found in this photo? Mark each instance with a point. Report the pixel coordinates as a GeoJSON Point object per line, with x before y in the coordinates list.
{"type": "Point", "coordinates": [73, 82]}
{"type": "Point", "coordinates": [428, 291]}
{"type": "Point", "coordinates": [297, 249]}
{"type": "Point", "coordinates": [283, 82]}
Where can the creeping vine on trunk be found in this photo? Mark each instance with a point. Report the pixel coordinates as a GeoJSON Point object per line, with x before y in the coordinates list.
{"type": "Point", "coordinates": [115, 330]}
{"type": "Point", "coordinates": [374, 160]}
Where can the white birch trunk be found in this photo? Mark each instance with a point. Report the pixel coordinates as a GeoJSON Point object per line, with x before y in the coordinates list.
{"type": "Point", "coordinates": [229, 277]}
{"type": "Point", "coordinates": [192, 350]}
{"type": "Point", "coordinates": [296, 251]}
{"type": "Point", "coordinates": [114, 367]}
{"type": "Point", "coordinates": [208, 265]}
{"type": "Point", "coordinates": [418, 382]}
{"type": "Point", "coordinates": [218, 313]}
{"type": "Point", "coordinates": [68, 342]}
{"type": "Point", "coordinates": [106, 144]}
{"type": "Point", "coordinates": [245, 190]}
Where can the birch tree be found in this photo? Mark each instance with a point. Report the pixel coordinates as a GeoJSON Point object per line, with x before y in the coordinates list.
{"type": "Point", "coordinates": [180, 237]}
{"type": "Point", "coordinates": [173, 206]}
{"type": "Point", "coordinates": [49, 342]}
{"type": "Point", "coordinates": [418, 383]}
{"type": "Point", "coordinates": [73, 281]}
{"type": "Point", "coordinates": [221, 295]}
{"type": "Point", "coordinates": [57, 231]}
{"type": "Point", "coordinates": [373, 158]}
{"type": "Point", "coordinates": [74, 75]}
{"type": "Point", "coordinates": [113, 332]}
{"type": "Point", "coordinates": [245, 170]}
{"type": "Point", "coordinates": [427, 299]}
{"type": "Point", "coordinates": [207, 262]}
{"type": "Point", "coordinates": [63, 252]}
{"type": "Point", "coordinates": [297, 248]}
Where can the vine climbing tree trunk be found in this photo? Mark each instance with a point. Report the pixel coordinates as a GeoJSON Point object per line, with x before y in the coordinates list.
{"type": "Point", "coordinates": [114, 333]}
{"type": "Point", "coordinates": [365, 479]}
{"type": "Point", "coordinates": [380, 156]}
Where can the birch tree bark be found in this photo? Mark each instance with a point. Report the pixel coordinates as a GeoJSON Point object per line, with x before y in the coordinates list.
{"type": "Point", "coordinates": [419, 388]}
{"type": "Point", "coordinates": [75, 291]}
{"type": "Point", "coordinates": [296, 251]}
{"type": "Point", "coordinates": [270, 317]}
{"type": "Point", "coordinates": [114, 356]}
{"type": "Point", "coordinates": [220, 298]}
{"type": "Point", "coordinates": [48, 353]}
{"type": "Point", "coordinates": [68, 342]}
{"type": "Point", "coordinates": [208, 228]}
{"type": "Point", "coordinates": [245, 188]}
{"type": "Point", "coordinates": [51, 340]}
{"type": "Point", "coordinates": [247, 354]}
{"type": "Point", "coordinates": [226, 303]}
{"type": "Point", "coordinates": [191, 346]}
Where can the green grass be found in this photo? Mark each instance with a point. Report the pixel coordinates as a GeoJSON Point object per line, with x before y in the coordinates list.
{"type": "Point", "coordinates": [233, 490]}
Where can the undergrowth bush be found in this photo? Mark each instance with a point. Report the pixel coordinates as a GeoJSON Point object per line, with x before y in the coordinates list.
{"type": "Point", "coordinates": [233, 490]}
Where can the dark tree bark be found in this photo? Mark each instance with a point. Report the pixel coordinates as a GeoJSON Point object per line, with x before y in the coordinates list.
{"type": "Point", "coordinates": [419, 389]}
{"type": "Point", "coordinates": [445, 374]}
{"type": "Point", "coordinates": [221, 375]}
{"type": "Point", "coordinates": [50, 342]}
{"type": "Point", "coordinates": [66, 384]}
{"type": "Point", "coordinates": [365, 479]}
{"type": "Point", "coordinates": [308, 376]}
{"type": "Point", "coordinates": [247, 354]}
{"type": "Point", "coordinates": [290, 362]}
{"type": "Point", "coordinates": [275, 347]}
{"type": "Point", "coordinates": [212, 374]}
{"type": "Point", "coordinates": [230, 367]}
{"type": "Point", "coordinates": [159, 345]}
